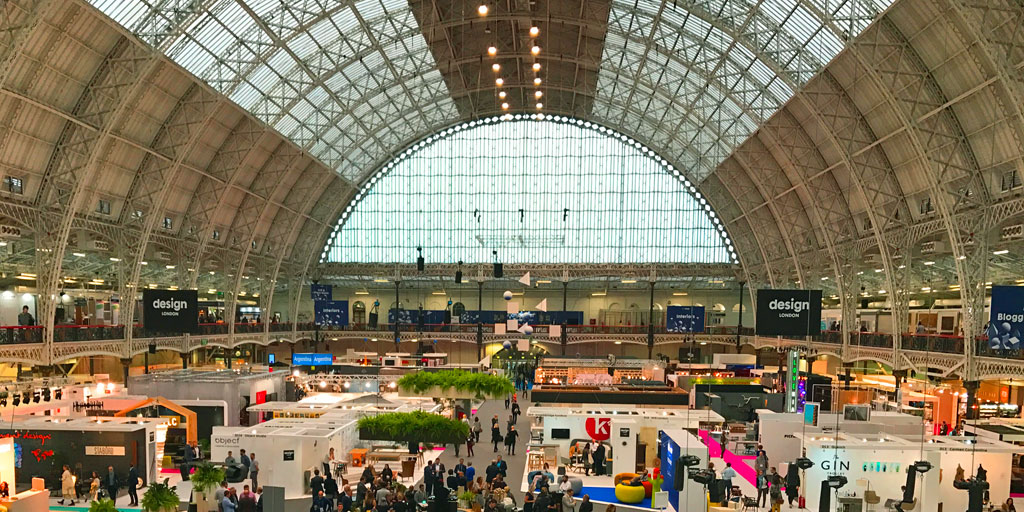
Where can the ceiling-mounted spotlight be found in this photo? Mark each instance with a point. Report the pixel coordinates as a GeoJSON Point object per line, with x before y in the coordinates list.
{"type": "Point", "coordinates": [482, 10]}
{"type": "Point", "coordinates": [17, 399]}
{"type": "Point", "coordinates": [46, 394]}
{"type": "Point", "coordinates": [58, 394]}
{"type": "Point", "coordinates": [36, 396]}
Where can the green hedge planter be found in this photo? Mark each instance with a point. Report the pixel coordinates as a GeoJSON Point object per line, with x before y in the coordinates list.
{"type": "Point", "coordinates": [458, 384]}
{"type": "Point", "coordinates": [412, 427]}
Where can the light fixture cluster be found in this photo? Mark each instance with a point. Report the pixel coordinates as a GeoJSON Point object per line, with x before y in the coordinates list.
{"type": "Point", "coordinates": [467, 125]}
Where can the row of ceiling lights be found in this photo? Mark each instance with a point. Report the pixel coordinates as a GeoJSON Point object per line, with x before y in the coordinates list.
{"type": "Point", "coordinates": [499, 82]}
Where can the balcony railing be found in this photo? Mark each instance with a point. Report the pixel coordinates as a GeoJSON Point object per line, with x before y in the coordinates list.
{"type": "Point", "coordinates": [938, 343]}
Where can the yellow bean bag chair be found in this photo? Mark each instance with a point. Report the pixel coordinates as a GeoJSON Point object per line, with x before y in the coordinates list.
{"type": "Point", "coordinates": [624, 477]}
{"type": "Point", "coordinates": [629, 493]}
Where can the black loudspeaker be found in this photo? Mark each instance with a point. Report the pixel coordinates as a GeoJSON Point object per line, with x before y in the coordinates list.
{"type": "Point", "coordinates": [447, 316]}
{"type": "Point", "coordinates": [458, 277]}
{"type": "Point", "coordinates": [679, 478]}
{"type": "Point", "coordinates": [499, 270]}
{"type": "Point", "coordinates": [419, 263]}
{"type": "Point", "coordinates": [152, 348]}
{"type": "Point", "coordinates": [373, 320]}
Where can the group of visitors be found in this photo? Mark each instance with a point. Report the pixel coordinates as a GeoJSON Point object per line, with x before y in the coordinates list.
{"type": "Point", "coordinates": [106, 486]}
{"type": "Point", "coordinates": [228, 499]}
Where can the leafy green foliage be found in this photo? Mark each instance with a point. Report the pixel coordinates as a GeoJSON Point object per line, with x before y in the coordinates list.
{"type": "Point", "coordinates": [160, 498]}
{"type": "Point", "coordinates": [102, 505]}
{"type": "Point", "coordinates": [415, 426]}
{"type": "Point", "coordinates": [206, 477]}
{"type": "Point", "coordinates": [468, 496]}
{"type": "Point", "coordinates": [481, 385]}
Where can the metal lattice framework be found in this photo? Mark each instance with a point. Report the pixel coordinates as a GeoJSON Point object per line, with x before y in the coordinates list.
{"type": "Point", "coordinates": [867, 149]}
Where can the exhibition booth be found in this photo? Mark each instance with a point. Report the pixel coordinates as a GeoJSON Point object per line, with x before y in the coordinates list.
{"type": "Point", "coordinates": [574, 370]}
{"type": "Point", "coordinates": [879, 463]}
{"type": "Point", "coordinates": [43, 445]}
{"type": "Point", "coordinates": [778, 430]}
{"type": "Point", "coordinates": [34, 497]}
{"type": "Point", "coordinates": [630, 432]}
{"type": "Point", "coordinates": [236, 389]}
{"type": "Point", "coordinates": [295, 443]}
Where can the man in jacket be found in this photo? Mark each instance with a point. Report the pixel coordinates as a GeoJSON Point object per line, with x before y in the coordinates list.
{"type": "Point", "coordinates": [428, 477]}
{"type": "Point", "coordinates": [460, 467]}
{"type": "Point", "coordinates": [316, 484]}
{"type": "Point", "coordinates": [502, 467]}
{"type": "Point", "coordinates": [133, 485]}
{"type": "Point", "coordinates": [189, 458]}
{"type": "Point", "coordinates": [110, 483]}
{"type": "Point", "coordinates": [491, 472]}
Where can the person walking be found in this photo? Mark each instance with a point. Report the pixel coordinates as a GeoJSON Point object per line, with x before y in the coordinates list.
{"type": "Point", "coordinates": [477, 428]}
{"type": "Point", "coordinates": [510, 440]}
{"type": "Point", "coordinates": [792, 484]}
{"type": "Point", "coordinates": [94, 487]}
{"type": "Point", "coordinates": [110, 483]}
{"type": "Point", "coordinates": [67, 486]}
{"type": "Point", "coordinates": [469, 445]}
{"type": "Point", "coordinates": [516, 411]}
{"type": "Point", "coordinates": [496, 435]}
{"type": "Point", "coordinates": [254, 471]}
{"type": "Point", "coordinates": [187, 461]}
{"type": "Point", "coordinates": [508, 398]}
{"type": "Point", "coordinates": [133, 485]}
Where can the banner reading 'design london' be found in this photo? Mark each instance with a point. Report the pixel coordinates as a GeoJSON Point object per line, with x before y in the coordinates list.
{"type": "Point", "coordinates": [684, 319]}
{"type": "Point", "coordinates": [1006, 323]}
{"type": "Point", "coordinates": [788, 312]}
{"type": "Point", "coordinates": [170, 311]}
{"type": "Point", "coordinates": [331, 312]}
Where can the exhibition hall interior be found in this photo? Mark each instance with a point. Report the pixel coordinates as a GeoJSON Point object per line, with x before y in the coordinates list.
{"type": "Point", "coordinates": [511, 255]}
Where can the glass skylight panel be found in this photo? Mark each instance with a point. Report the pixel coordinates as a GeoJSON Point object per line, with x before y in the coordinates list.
{"type": "Point", "coordinates": [126, 12]}
{"type": "Point", "coordinates": [472, 184]}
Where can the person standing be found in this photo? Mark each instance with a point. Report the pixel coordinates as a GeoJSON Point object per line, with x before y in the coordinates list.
{"type": "Point", "coordinates": [461, 466]}
{"type": "Point", "coordinates": [586, 458]}
{"type": "Point", "coordinates": [67, 486]}
{"type": "Point", "coordinates": [133, 485]}
{"type": "Point", "coordinates": [727, 475]}
{"type": "Point", "coordinates": [508, 398]}
{"type": "Point", "coordinates": [762, 489]}
{"type": "Point", "coordinates": [761, 462]}
{"type": "Point", "coordinates": [243, 458]}
{"type": "Point", "coordinates": [316, 484]}
{"type": "Point", "coordinates": [25, 318]}
{"type": "Point", "coordinates": [110, 483]}
{"type": "Point", "coordinates": [469, 445]}
{"type": "Point", "coordinates": [227, 504]}
{"type": "Point", "coordinates": [247, 500]}
{"type": "Point", "coordinates": [502, 467]}
{"type": "Point", "coordinates": [792, 484]}
{"type": "Point", "coordinates": [586, 505]}
{"type": "Point", "coordinates": [345, 501]}
{"type": "Point", "coordinates": [598, 455]}
{"type": "Point", "coordinates": [230, 460]}
{"type": "Point", "coordinates": [510, 440]}
{"type": "Point", "coordinates": [254, 471]}
{"type": "Point", "coordinates": [428, 477]}
{"type": "Point", "coordinates": [496, 435]}
{"type": "Point", "coordinates": [188, 460]}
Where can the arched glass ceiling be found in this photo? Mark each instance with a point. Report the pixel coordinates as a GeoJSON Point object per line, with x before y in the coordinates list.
{"type": "Point", "coordinates": [536, 190]}
{"type": "Point", "coordinates": [350, 81]}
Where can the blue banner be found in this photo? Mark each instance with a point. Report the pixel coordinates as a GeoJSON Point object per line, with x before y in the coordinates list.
{"type": "Point", "coordinates": [1006, 323]}
{"type": "Point", "coordinates": [312, 359]}
{"type": "Point", "coordinates": [685, 319]}
{"type": "Point", "coordinates": [331, 312]}
{"type": "Point", "coordinates": [321, 292]}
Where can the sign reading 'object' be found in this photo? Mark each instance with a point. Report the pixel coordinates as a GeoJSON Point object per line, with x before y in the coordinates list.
{"type": "Point", "coordinates": [170, 311]}
{"type": "Point", "coordinates": [788, 312]}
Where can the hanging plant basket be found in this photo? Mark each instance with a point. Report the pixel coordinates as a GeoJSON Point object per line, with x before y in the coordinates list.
{"type": "Point", "coordinates": [455, 384]}
{"type": "Point", "coordinates": [412, 427]}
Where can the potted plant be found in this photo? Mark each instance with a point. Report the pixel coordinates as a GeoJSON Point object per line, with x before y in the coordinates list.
{"type": "Point", "coordinates": [205, 480]}
{"type": "Point", "coordinates": [102, 505]}
{"type": "Point", "coordinates": [466, 498]}
{"type": "Point", "coordinates": [160, 498]}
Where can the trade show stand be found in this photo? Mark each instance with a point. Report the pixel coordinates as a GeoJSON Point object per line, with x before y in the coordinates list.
{"type": "Point", "coordinates": [683, 493]}
{"type": "Point", "coordinates": [644, 392]}
{"type": "Point", "coordinates": [29, 500]}
{"type": "Point", "coordinates": [776, 430]}
{"type": "Point", "coordinates": [566, 426]}
{"type": "Point", "coordinates": [236, 388]}
{"type": "Point", "coordinates": [41, 446]}
{"type": "Point", "coordinates": [736, 402]}
{"type": "Point", "coordinates": [879, 463]}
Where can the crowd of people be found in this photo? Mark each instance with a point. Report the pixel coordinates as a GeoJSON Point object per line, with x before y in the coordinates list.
{"type": "Point", "coordinates": [97, 487]}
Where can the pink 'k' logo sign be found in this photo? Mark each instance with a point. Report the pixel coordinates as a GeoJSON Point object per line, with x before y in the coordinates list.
{"type": "Point", "coordinates": [599, 429]}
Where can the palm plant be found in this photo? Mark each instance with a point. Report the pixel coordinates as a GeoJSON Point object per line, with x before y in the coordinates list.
{"type": "Point", "coordinates": [206, 477]}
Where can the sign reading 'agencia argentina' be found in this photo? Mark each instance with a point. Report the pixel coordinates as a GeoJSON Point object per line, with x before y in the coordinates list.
{"type": "Point", "coordinates": [170, 311]}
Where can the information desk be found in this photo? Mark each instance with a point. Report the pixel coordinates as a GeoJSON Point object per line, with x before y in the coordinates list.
{"type": "Point", "coordinates": [27, 501]}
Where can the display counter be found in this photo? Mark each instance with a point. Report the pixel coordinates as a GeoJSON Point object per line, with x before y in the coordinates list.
{"type": "Point", "coordinates": [28, 501]}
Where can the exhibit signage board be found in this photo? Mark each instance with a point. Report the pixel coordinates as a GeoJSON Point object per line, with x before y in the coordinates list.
{"type": "Point", "coordinates": [170, 311]}
{"type": "Point", "coordinates": [312, 359]}
{"type": "Point", "coordinates": [1006, 321]}
{"type": "Point", "coordinates": [684, 319]}
{"type": "Point", "coordinates": [321, 292]}
{"type": "Point", "coordinates": [331, 313]}
{"type": "Point", "coordinates": [788, 312]}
